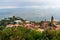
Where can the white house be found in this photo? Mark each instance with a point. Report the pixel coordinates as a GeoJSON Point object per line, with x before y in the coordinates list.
{"type": "Point", "coordinates": [18, 21]}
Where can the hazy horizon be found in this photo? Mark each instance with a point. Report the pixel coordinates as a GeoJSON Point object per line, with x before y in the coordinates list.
{"type": "Point", "coordinates": [35, 10]}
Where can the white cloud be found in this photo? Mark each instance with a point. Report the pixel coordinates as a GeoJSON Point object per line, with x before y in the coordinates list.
{"type": "Point", "coordinates": [30, 0]}
{"type": "Point", "coordinates": [41, 0]}
{"type": "Point", "coordinates": [42, 7]}
{"type": "Point", "coordinates": [34, 6]}
{"type": "Point", "coordinates": [49, 3]}
{"type": "Point", "coordinates": [2, 7]}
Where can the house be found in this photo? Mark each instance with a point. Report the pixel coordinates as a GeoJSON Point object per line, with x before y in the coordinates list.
{"type": "Point", "coordinates": [57, 27]}
{"type": "Point", "coordinates": [9, 25]}
{"type": "Point", "coordinates": [13, 25]}
{"type": "Point", "coordinates": [18, 21]}
{"type": "Point", "coordinates": [27, 21]}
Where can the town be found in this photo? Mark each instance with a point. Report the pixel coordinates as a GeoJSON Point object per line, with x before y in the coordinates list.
{"type": "Point", "coordinates": [16, 28]}
{"type": "Point", "coordinates": [40, 26]}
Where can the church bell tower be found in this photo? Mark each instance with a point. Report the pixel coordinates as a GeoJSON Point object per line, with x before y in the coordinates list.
{"type": "Point", "coordinates": [52, 20]}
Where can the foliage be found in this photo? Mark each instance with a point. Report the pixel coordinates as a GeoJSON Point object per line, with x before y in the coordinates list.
{"type": "Point", "coordinates": [21, 33]}
{"type": "Point", "coordinates": [2, 27]}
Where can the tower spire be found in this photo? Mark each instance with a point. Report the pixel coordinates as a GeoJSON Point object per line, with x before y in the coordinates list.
{"type": "Point", "coordinates": [52, 20]}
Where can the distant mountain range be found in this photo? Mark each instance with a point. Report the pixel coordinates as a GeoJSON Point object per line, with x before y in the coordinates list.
{"type": "Point", "coordinates": [32, 14]}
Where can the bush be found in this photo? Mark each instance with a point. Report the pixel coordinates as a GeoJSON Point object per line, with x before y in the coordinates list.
{"type": "Point", "coordinates": [20, 33]}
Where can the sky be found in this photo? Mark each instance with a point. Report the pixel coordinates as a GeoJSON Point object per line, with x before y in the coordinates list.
{"type": "Point", "coordinates": [28, 8]}
{"type": "Point", "coordinates": [29, 3]}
